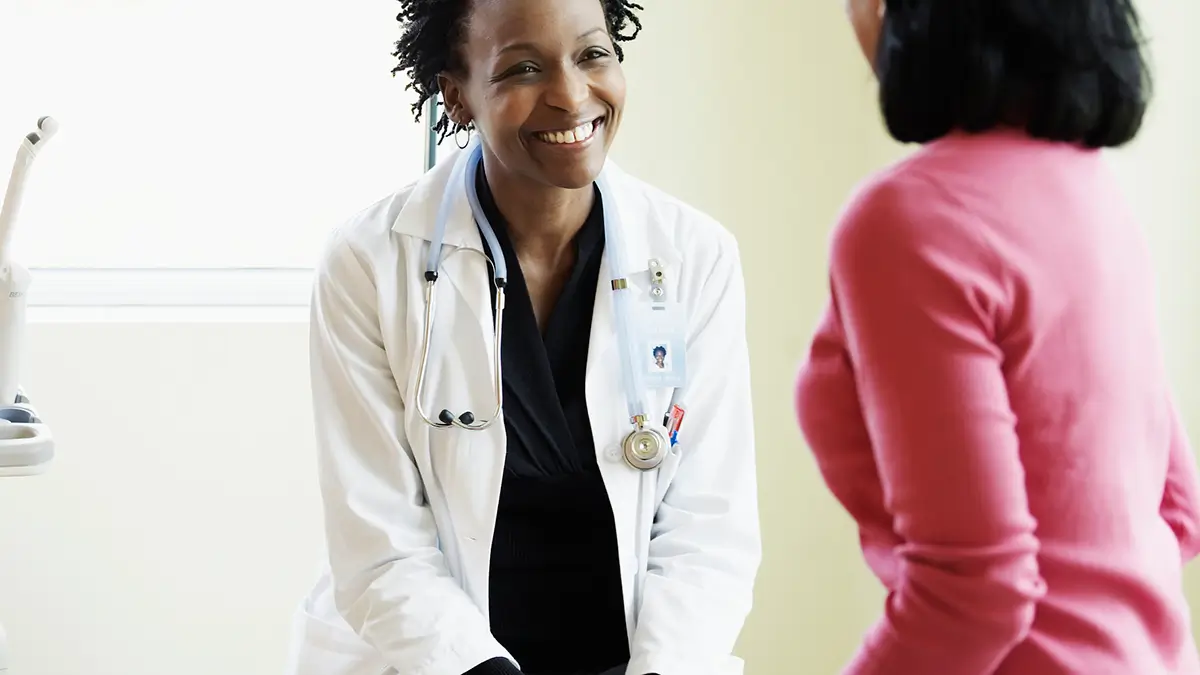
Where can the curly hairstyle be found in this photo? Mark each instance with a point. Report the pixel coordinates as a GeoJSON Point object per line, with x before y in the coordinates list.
{"type": "Point", "coordinates": [431, 38]}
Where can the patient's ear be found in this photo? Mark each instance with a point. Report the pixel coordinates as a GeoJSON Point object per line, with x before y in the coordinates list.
{"type": "Point", "coordinates": [866, 17]}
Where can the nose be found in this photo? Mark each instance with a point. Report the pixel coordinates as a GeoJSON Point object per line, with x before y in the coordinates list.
{"type": "Point", "coordinates": [569, 90]}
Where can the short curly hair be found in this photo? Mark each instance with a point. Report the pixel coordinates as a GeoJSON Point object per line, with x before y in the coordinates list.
{"type": "Point", "coordinates": [431, 39]}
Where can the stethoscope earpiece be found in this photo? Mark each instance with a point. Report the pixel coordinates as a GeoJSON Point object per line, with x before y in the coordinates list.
{"type": "Point", "coordinates": [464, 420]}
{"type": "Point", "coordinates": [464, 169]}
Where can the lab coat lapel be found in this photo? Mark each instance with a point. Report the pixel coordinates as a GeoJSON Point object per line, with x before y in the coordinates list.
{"type": "Point", "coordinates": [468, 272]}
{"type": "Point", "coordinates": [642, 236]}
{"type": "Point", "coordinates": [460, 364]}
{"type": "Point", "coordinates": [462, 262]}
{"type": "Point", "coordinates": [607, 409]}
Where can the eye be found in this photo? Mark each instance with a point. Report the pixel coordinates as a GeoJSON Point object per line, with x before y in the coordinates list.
{"type": "Point", "coordinates": [594, 53]}
{"type": "Point", "coordinates": [523, 68]}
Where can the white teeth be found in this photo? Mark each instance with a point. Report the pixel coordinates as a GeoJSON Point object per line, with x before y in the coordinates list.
{"type": "Point", "coordinates": [578, 134]}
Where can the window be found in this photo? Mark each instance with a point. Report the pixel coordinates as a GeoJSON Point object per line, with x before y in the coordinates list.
{"type": "Point", "coordinates": [202, 144]}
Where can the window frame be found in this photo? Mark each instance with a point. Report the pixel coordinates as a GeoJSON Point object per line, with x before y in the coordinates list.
{"type": "Point", "coordinates": [186, 287]}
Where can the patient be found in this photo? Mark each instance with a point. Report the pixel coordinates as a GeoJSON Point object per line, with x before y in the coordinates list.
{"type": "Point", "coordinates": [986, 393]}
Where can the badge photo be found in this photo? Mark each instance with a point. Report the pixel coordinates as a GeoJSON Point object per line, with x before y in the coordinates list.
{"type": "Point", "coordinates": [660, 357]}
{"type": "Point", "coordinates": [662, 354]}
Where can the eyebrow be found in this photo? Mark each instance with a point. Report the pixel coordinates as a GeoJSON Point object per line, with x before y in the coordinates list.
{"type": "Point", "coordinates": [590, 33]}
{"type": "Point", "coordinates": [530, 47]}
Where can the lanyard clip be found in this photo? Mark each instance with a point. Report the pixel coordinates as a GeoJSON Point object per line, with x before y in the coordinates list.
{"type": "Point", "coordinates": [658, 291]}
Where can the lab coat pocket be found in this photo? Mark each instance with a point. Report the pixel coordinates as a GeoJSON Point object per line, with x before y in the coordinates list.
{"type": "Point", "coordinates": [325, 646]}
{"type": "Point", "coordinates": [666, 472]}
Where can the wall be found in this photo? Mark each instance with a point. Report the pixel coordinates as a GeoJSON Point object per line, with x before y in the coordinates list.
{"type": "Point", "coordinates": [756, 112]}
{"type": "Point", "coordinates": [1163, 179]}
{"type": "Point", "coordinates": [180, 524]}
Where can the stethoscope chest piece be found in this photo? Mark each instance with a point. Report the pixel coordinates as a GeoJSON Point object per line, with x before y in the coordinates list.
{"type": "Point", "coordinates": [644, 449]}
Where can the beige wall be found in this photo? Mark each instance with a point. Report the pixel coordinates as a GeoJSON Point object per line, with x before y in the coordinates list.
{"type": "Point", "coordinates": [1162, 173]}
{"type": "Point", "coordinates": [145, 551]}
{"type": "Point", "coordinates": [758, 113]}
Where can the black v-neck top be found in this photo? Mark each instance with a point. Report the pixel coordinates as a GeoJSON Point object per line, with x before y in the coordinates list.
{"type": "Point", "coordinates": [556, 601]}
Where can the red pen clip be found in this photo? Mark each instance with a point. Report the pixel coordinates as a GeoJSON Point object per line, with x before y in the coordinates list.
{"type": "Point", "coordinates": [674, 421]}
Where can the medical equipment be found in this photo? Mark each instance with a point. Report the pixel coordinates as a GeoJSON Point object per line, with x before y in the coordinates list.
{"type": "Point", "coordinates": [14, 279]}
{"type": "Point", "coordinates": [467, 419]}
{"type": "Point", "coordinates": [644, 447]}
{"type": "Point", "coordinates": [26, 446]}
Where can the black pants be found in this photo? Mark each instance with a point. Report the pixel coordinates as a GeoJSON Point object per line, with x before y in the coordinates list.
{"type": "Point", "coordinates": [616, 670]}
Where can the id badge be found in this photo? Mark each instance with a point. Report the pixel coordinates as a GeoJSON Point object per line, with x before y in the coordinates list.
{"type": "Point", "coordinates": [661, 351]}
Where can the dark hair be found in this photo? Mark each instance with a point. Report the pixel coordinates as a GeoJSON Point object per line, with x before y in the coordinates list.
{"type": "Point", "coordinates": [660, 350]}
{"type": "Point", "coordinates": [1064, 70]}
{"type": "Point", "coordinates": [432, 33]}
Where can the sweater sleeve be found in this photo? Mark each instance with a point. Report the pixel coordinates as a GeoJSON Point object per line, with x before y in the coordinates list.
{"type": "Point", "coordinates": [919, 295]}
{"type": "Point", "coordinates": [1181, 494]}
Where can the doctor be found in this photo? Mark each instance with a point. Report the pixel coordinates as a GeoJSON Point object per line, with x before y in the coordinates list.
{"type": "Point", "coordinates": [607, 521]}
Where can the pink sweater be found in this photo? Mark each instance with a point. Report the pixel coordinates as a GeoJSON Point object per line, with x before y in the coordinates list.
{"type": "Point", "coordinates": [986, 397]}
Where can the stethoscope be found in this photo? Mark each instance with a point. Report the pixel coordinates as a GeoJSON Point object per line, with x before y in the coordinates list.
{"type": "Point", "coordinates": [644, 447]}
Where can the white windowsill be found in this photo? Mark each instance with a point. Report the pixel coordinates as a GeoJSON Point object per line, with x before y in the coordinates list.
{"type": "Point", "coordinates": [210, 315]}
{"type": "Point", "coordinates": [217, 295]}
{"type": "Point", "coordinates": [169, 295]}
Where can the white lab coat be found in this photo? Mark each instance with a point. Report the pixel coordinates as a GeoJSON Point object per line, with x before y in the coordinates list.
{"type": "Point", "coordinates": [410, 510]}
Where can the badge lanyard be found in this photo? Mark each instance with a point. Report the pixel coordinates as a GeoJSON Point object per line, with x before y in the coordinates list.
{"type": "Point", "coordinates": [644, 447]}
{"type": "Point", "coordinates": [642, 435]}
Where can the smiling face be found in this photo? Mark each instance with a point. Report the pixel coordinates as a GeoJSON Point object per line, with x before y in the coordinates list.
{"type": "Point", "coordinates": [543, 86]}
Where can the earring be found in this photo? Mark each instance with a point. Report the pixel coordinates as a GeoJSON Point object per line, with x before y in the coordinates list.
{"type": "Point", "coordinates": [460, 127]}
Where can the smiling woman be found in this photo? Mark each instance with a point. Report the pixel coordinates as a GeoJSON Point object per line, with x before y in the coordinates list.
{"type": "Point", "coordinates": [562, 541]}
